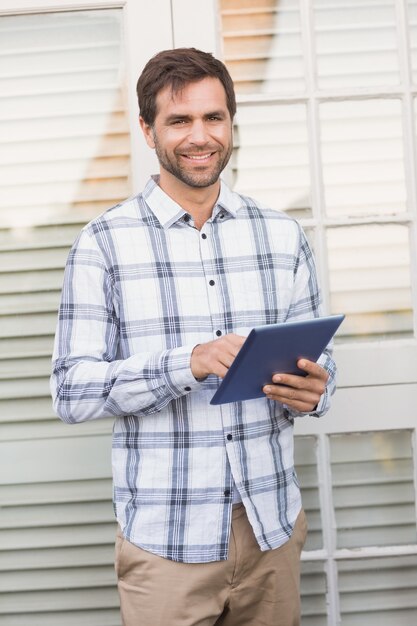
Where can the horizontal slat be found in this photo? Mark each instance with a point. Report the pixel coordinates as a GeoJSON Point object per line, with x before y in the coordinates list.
{"type": "Point", "coordinates": [27, 347]}
{"type": "Point", "coordinates": [379, 446]}
{"type": "Point", "coordinates": [59, 557]}
{"type": "Point", "coordinates": [15, 428]}
{"type": "Point", "coordinates": [98, 617]}
{"type": "Point", "coordinates": [59, 491]}
{"type": "Point", "coordinates": [19, 304]}
{"type": "Point", "coordinates": [36, 324]}
{"type": "Point", "coordinates": [38, 580]}
{"type": "Point", "coordinates": [400, 534]}
{"type": "Point", "coordinates": [105, 168]}
{"type": "Point", "coordinates": [26, 388]}
{"type": "Point", "coordinates": [395, 515]}
{"type": "Point", "coordinates": [64, 102]}
{"type": "Point", "coordinates": [106, 189]}
{"type": "Point", "coordinates": [58, 537]}
{"type": "Point", "coordinates": [33, 214]}
{"type": "Point", "coordinates": [395, 492]}
{"type": "Point", "coordinates": [34, 516]}
{"type": "Point", "coordinates": [72, 600]}
{"type": "Point", "coordinates": [42, 259]}
{"type": "Point", "coordinates": [25, 409]}
{"type": "Point", "coordinates": [34, 238]}
{"type": "Point", "coordinates": [72, 458]}
{"type": "Point", "coordinates": [22, 368]}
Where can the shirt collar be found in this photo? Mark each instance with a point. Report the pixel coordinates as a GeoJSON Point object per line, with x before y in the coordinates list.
{"type": "Point", "coordinates": [168, 212]}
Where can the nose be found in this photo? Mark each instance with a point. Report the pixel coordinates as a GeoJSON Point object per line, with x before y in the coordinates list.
{"type": "Point", "coordinates": [198, 133]}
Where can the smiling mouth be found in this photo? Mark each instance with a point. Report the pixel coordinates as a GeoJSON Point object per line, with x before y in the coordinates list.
{"type": "Point", "coordinates": [198, 157]}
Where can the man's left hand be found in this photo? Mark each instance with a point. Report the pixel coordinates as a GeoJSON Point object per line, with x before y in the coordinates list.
{"type": "Point", "coordinates": [301, 393]}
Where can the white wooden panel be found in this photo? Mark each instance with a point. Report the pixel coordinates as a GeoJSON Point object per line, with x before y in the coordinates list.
{"type": "Point", "coordinates": [305, 458]}
{"type": "Point", "coordinates": [270, 161]}
{"type": "Point", "coordinates": [373, 490]}
{"type": "Point", "coordinates": [356, 43]}
{"type": "Point", "coordinates": [262, 46]}
{"type": "Point", "coordinates": [313, 594]}
{"type": "Point", "coordinates": [379, 592]}
{"type": "Point", "coordinates": [361, 409]}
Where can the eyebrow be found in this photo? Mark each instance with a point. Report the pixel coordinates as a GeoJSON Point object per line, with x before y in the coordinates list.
{"type": "Point", "coordinates": [179, 116]}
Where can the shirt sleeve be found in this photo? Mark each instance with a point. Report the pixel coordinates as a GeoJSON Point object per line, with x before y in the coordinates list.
{"type": "Point", "coordinates": [306, 303]}
{"type": "Point", "coordinates": [89, 380]}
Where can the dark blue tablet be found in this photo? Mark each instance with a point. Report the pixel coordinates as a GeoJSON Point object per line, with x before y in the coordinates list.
{"type": "Point", "coordinates": [272, 349]}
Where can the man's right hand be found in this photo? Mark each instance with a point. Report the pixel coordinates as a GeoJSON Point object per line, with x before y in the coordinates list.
{"type": "Point", "coordinates": [215, 357]}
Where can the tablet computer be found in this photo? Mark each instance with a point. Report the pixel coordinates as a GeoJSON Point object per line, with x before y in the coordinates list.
{"type": "Point", "coordinates": [273, 349]}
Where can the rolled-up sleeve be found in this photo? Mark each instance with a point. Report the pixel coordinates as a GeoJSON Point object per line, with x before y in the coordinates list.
{"type": "Point", "coordinates": [88, 379]}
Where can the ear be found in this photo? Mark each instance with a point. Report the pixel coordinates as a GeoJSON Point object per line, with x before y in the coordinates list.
{"type": "Point", "coordinates": [147, 132]}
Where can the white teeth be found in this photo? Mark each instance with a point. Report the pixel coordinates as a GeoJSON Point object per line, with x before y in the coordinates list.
{"type": "Point", "coordinates": [198, 158]}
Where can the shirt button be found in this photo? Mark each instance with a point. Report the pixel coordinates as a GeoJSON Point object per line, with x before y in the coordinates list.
{"type": "Point", "coordinates": [186, 218]}
{"type": "Point", "coordinates": [229, 437]}
{"type": "Point", "coordinates": [211, 282]}
{"type": "Point", "coordinates": [221, 216]}
{"type": "Point", "coordinates": [227, 493]}
{"type": "Point", "coordinates": [204, 236]}
{"type": "Point", "coordinates": [187, 388]}
{"type": "Point", "coordinates": [218, 333]}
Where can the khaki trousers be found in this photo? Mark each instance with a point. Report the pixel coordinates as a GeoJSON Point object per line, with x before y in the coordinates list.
{"type": "Point", "coordinates": [250, 588]}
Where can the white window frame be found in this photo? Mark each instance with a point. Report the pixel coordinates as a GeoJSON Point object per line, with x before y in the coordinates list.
{"type": "Point", "coordinates": [377, 380]}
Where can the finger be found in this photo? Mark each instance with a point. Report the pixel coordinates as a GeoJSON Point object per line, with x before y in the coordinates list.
{"type": "Point", "coordinates": [313, 369]}
{"type": "Point", "coordinates": [220, 370]}
{"type": "Point", "coordinates": [236, 341]}
{"type": "Point", "coordinates": [290, 394]}
{"type": "Point", "coordinates": [298, 382]}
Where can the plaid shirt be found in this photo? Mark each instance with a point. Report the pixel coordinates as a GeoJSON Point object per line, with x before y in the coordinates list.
{"type": "Point", "coordinates": [142, 287]}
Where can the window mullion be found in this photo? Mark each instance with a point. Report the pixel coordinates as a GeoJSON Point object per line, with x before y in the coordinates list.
{"type": "Point", "coordinates": [313, 127]}
{"type": "Point", "coordinates": [409, 125]}
{"type": "Point", "coordinates": [329, 527]}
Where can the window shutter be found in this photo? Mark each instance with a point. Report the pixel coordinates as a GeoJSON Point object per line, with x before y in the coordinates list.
{"type": "Point", "coordinates": [64, 154]}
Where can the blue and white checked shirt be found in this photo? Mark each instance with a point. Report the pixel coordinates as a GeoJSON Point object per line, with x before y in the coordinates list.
{"type": "Point", "coordinates": [142, 287]}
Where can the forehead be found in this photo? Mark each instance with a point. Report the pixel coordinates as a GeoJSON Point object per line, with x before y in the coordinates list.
{"type": "Point", "coordinates": [195, 98]}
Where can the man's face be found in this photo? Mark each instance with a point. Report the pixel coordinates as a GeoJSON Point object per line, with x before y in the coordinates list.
{"type": "Point", "coordinates": [192, 133]}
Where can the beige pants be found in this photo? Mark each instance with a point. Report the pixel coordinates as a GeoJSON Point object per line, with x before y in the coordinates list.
{"type": "Point", "coordinates": [250, 588]}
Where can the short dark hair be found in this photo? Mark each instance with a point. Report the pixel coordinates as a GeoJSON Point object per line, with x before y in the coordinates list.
{"type": "Point", "coordinates": [177, 68]}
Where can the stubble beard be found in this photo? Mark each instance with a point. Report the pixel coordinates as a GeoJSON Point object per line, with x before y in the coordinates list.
{"type": "Point", "coordinates": [194, 179]}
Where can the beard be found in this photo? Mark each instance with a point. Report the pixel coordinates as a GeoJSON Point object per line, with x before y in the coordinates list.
{"type": "Point", "coordinates": [195, 177]}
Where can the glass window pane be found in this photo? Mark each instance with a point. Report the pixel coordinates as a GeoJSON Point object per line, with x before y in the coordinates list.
{"type": "Point", "coordinates": [378, 592]}
{"type": "Point", "coordinates": [262, 45]}
{"type": "Point", "coordinates": [369, 276]}
{"type": "Point", "coordinates": [356, 43]}
{"type": "Point", "coordinates": [373, 489]}
{"type": "Point", "coordinates": [362, 150]}
{"type": "Point", "coordinates": [313, 594]}
{"type": "Point", "coordinates": [305, 460]}
{"type": "Point", "coordinates": [270, 161]}
{"type": "Point", "coordinates": [63, 125]}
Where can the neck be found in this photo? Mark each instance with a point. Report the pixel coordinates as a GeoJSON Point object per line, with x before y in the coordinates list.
{"type": "Point", "coordinates": [197, 201]}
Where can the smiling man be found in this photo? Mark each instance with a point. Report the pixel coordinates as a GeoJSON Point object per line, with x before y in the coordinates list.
{"type": "Point", "coordinates": [159, 294]}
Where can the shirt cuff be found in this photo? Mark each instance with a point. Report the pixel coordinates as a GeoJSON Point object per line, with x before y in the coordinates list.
{"type": "Point", "coordinates": [176, 365]}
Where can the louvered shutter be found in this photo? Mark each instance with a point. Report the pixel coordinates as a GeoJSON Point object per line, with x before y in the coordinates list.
{"type": "Point", "coordinates": [325, 130]}
{"type": "Point", "coordinates": [64, 152]}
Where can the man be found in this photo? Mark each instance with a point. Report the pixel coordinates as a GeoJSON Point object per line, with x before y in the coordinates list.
{"type": "Point", "coordinates": [159, 294]}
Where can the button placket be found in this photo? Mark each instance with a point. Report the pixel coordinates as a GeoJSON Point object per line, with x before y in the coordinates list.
{"type": "Point", "coordinates": [207, 257]}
